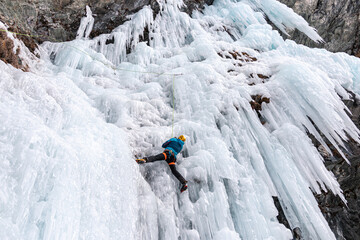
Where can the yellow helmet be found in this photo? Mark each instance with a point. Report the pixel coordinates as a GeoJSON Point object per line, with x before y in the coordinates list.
{"type": "Point", "coordinates": [182, 138]}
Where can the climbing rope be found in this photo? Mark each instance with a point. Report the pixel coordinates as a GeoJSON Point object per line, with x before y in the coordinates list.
{"type": "Point", "coordinates": [173, 106]}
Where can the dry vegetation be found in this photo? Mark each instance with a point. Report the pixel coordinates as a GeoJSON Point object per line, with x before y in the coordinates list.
{"type": "Point", "coordinates": [7, 53]}
{"type": "Point", "coordinates": [239, 57]}
{"type": "Point", "coordinates": [256, 105]}
{"type": "Point", "coordinates": [29, 42]}
{"type": "Point", "coordinates": [257, 101]}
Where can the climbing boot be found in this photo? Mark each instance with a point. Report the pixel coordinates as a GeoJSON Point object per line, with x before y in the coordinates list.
{"type": "Point", "coordinates": [141, 160]}
{"type": "Point", "coordinates": [184, 187]}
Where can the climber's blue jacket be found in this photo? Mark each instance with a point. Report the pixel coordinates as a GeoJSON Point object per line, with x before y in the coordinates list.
{"type": "Point", "coordinates": [174, 144]}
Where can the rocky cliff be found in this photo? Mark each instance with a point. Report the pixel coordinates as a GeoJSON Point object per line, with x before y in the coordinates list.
{"type": "Point", "coordinates": [58, 20]}
{"type": "Point", "coordinates": [338, 23]}
{"type": "Point", "coordinates": [344, 219]}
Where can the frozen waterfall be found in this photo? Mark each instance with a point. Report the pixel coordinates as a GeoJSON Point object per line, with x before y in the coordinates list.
{"type": "Point", "coordinates": [72, 126]}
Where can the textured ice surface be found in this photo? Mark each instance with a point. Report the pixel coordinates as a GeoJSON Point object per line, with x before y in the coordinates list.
{"type": "Point", "coordinates": [86, 25]}
{"type": "Point", "coordinates": [71, 127]}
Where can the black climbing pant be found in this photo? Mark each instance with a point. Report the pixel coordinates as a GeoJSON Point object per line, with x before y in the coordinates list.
{"type": "Point", "coordinates": [170, 159]}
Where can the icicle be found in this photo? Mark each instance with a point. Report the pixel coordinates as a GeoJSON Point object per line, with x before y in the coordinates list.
{"type": "Point", "coordinates": [283, 17]}
{"type": "Point", "coordinates": [86, 25]}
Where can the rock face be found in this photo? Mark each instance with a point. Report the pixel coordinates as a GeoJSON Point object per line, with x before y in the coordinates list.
{"type": "Point", "coordinates": [58, 20]}
{"type": "Point", "coordinates": [344, 220]}
{"type": "Point", "coordinates": [337, 22]}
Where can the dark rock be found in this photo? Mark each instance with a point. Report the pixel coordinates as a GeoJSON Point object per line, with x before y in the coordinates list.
{"type": "Point", "coordinates": [296, 233]}
{"type": "Point", "coordinates": [281, 216]}
{"type": "Point", "coordinates": [344, 219]}
{"type": "Point", "coordinates": [283, 220]}
{"type": "Point", "coordinates": [58, 20]}
{"type": "Point", "coordinates": [191, 5]}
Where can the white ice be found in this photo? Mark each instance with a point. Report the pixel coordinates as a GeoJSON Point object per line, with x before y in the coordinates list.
{"type": "Point", "coordinates": [86, 25]}
{"type": "Point", "coordinates": [72, 126]}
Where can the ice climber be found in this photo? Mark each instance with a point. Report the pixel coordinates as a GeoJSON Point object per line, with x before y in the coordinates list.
{"type": "Point", "coordinates": [172, 147]}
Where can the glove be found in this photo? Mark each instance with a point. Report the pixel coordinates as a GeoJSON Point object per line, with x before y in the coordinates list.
{"type": "Point", "coordinates": [184, 187]}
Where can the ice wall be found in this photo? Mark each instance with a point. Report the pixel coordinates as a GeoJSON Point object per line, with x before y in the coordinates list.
{"type": "Point", "coordinates": [72, 127]}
